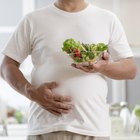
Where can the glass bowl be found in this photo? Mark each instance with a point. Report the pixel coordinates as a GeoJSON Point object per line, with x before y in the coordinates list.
{"type": "Point", "coordinates": [86, 58]}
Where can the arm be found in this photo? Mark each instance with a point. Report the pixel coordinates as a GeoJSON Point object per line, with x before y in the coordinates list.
{"type": "Point", "coordinates": [10, 72]}
{"type": "Point", "coordinates": [122, 69]}
{"type": "Point", "coordinates": [43, 95]}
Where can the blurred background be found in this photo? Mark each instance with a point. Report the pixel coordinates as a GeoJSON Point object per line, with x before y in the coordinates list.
{"type": "Point", "coordinates": [123, 96]}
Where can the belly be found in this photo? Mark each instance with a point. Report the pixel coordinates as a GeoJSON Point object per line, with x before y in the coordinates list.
{"type": "Point", "coordinates": [82, 88]}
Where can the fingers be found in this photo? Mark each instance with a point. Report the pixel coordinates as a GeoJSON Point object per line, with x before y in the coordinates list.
{"type": "Point", "coordinates": [58, 112]}
{"type": "Point", "coordinates": [63, 105]}
{"type": "Point", "coordinates": [99, 66]}
{"type": "Point", "coordinates": [79, 66]}
{"type": "Point", "coordinates": [54, 112]}
{"type": "Point", "coordinates": [54, 103]}
{"type": "Point", "coordinates": [89, 68]}
{"type": "Point", "coordinates": [51, 111]}
{"type": "Point", "coordinates": [51, 85]}
{"type": "Point", "coordinates": [57, 97]}
{"type": "Point", "coordinates": [61, 98]}
{"type": "Point", "coordinates": [59, 103]}
{"type": "Point", "coordinates": [61, 111]}
{"type": "Point", "coordinates": [57, 108]}
{"type": "Point", "coordinates": [106, 56]}
{"type": "Point", "coordinates": [49, 95]}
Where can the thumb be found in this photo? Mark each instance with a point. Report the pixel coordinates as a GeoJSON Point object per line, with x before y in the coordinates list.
{"type": "Point", "coordinates": [51, 85]}
{"type": "Point", "coordinates": [106, 56]}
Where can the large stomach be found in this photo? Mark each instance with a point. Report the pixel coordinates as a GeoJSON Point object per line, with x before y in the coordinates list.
{"type": "Point", "coordinates": [72, 82]}
{"type": "Point", "coordinates": [83, 88]}
{"type": "Point", "coordinates": [87, 90]}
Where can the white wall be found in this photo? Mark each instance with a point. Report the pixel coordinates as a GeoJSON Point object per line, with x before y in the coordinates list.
{"type": "Point", "coordinates": [128, 12]}
{"type": "Point", "coordinates": [130, 17]}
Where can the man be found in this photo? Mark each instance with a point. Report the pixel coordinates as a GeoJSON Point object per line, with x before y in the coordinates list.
{"type": "Point", "coordinates": [68, 101]}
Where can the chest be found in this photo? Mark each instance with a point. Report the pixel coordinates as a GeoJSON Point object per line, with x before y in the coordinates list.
{"type": "Point", "coordinates": [48, 36]}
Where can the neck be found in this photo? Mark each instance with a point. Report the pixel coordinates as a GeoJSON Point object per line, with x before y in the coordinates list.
{"type": "Point", "coordinates": [71, 5]}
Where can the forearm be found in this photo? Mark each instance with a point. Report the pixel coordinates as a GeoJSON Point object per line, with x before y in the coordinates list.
{"type": "Point", "coordinates": [123, 69]}
{"type": "Point", "coordinates": [15, 78]}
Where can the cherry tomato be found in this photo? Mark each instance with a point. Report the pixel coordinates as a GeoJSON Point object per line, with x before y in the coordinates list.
{"type": "Point", "coordinates": [77, 52]}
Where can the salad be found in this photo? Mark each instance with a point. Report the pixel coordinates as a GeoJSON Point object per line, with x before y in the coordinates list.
{"type": "Point", "coordinates": [81, 52]}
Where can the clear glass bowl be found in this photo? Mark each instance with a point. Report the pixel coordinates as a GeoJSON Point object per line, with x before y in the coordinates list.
{"type": "Point", "coordinates": [98, 56]}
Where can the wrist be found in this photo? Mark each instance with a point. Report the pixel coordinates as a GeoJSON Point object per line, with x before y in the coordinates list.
{"type": "Point", "coordinates": [105, 68]}
{"type": "Point", "coordinates": [28, 90]}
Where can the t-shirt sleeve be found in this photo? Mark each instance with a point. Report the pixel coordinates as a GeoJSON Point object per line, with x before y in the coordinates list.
{"type": "Point", "coordinates": [118, 44]}
{"type": "Point", "coordinates": [19, 45]}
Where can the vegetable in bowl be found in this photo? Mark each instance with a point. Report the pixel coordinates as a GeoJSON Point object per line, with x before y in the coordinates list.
{"type": "Point", "coordinates": [81, 52]}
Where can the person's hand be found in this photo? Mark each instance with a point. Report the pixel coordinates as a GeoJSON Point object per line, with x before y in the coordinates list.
{"type": "Point", "coordinates": [94, 67]}
{"type": "Point", "coordinates": [54, 103]}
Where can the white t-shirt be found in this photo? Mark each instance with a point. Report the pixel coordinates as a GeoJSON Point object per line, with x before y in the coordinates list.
{"type": "Point", "coordinates": [41, 34]}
